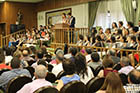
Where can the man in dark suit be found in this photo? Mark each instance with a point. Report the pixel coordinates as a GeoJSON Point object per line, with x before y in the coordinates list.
{"type": "Point", "coordinates": [71, 22]}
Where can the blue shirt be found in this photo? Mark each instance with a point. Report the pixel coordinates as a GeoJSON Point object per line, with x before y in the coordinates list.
{"type": "Point", "coordinates": [69, 79]}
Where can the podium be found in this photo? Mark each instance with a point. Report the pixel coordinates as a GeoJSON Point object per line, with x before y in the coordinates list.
{"type": "Point", "coordinates": [61, 33]}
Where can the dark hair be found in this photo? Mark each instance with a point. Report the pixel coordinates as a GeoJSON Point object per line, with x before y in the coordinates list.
{"type": "Point", "coordinates": [131, 24]}
{"type": "Point", "coordinates": [124, 38]}
{"type": "Point", "coordinates": [115, 24]}
{"type": "Point", "coordinates": [2, 58]}
{"type": "Point", "coordinates": [40, 54]}
{"type": "Point", "coordinates": [64, 14]}
{"type": "Point", "coordinates": [119, 32]}
{"type": "Point", "coordinates": [98, 38]}
{"type": "Point", "coordinates": [95, 56]}
{"type": "Point", "coordinates": [69, 66]}
{"type": "Point", "coordinates": [113, 39]}
{"type": "Point", "coordinates": [15, 62]}
{"type": "Point", "coordinates": [73, 51]}
{"type": "Point", "coordinates": [44, 50]}
{"type": "Point", "coordinates": [81, 66]}
{"type": "Point", "coordinates": [69, 14]}
{"type": "Point", "coordinates": [135, 29]}
{"type": "Point", "coordinates": [120, 22]}
{"type": "Point", "coordinates": [33, 49]}
{"type": "Point", "coordinates": [81, 37]}
{"type": "Point", "coordinates": [88, 50]}
{"type": "Point", "coordinates": [133, 38]}
{"type": "Point", "coordinates": [42, 62]}
{"type": "Point", "coordinates": [8, 51]}
{"type": "Point", "coordinates": [57, 49]}
{"type": "Point", "coordinates": [134, 76]}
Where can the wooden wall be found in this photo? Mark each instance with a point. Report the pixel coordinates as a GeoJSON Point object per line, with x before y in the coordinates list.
{"type": "Point", "coordinates": [52, 4]}
{"type": "Point", "coordinates": [9, 10]}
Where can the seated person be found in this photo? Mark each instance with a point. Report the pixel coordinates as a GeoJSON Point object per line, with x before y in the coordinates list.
{"type": "Point", "coordinates": [126, 68]}
{"type": "Point", "coordinates": [95, 60]}
{"type": "Point", "coordinates": [16, 71]}
{"type": "Point", "coordinates": [134, 81]}
{"type": "Point", "coordinates": [108, 66]}
{"type": "Point", "coordinates": [112, 84]}
{"type": "Point", "coordinates": [80, 42]}
{"type": "Point", "coordinates": [40, 74]}
{"type": "Point", "coordinates": [70, 69]}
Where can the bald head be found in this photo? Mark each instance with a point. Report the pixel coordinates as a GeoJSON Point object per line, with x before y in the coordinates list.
{"type": "Point", "coordinates": [40, 71]}
{"type": "Point", "coordinates": [134, 77]}
{"type": "Point", "coordinates": [25, 53]}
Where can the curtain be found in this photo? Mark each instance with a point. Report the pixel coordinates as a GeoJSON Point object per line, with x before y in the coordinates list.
{"type": "Point", "coordinates": [93, 6]}
{"type": "Point", "coordinates": [128, 10]}
{"type": "Point", "coordinates": [137, 12]}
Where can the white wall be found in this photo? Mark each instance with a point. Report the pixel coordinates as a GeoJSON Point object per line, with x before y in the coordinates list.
{"type": "Point", "coordinates": [80, 12]}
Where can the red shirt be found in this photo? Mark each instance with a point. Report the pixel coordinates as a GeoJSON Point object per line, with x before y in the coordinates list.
{"type": "Point", "coordinates": [106, 71]}
{"type": "Point", "coordinates": [2, 66]}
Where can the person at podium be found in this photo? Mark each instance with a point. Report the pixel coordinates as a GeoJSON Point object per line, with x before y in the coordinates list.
{"type": "Point", "coordinates": [71, 23]}
{"type": "Point", "coordinates": [64, 18]}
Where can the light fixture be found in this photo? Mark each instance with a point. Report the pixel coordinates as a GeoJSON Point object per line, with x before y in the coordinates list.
{"type": "Point", "coordinates": [134, 4]}
{"type": "Point", "coordinates": [108, 13]}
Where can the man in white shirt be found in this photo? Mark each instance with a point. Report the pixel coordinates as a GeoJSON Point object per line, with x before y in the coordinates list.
{"type": "Point", "coordinates": [126, 68]}
{"type": "Point", "coordinates": [59, 58]}
{"type": "Point", "coordinates": [40, 74]}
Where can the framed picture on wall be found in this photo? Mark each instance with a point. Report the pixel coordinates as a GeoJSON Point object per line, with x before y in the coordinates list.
{"type": "Point", "coordinates": [54, 17]}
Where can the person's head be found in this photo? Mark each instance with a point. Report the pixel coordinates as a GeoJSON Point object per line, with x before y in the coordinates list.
{"type": "Point", "coordinates": [134, 77]}
{"type": "Point", "coordinates": [15, 63]}
{"type": "Point", "coordinates": [133, 38]}
{"type": "Point", "coordinates": [81, 37]}
{"type": "Point", "coordinates": [2, 58]}
{"type": "Point", "coordinates": [101, 30]}
{"type": "Point", "coordinates": [120, 24]}
{"type": "Point", "coordinates": [98, 38]}
{"type": "Point", "coordinates": [44, 50]}
{"type": "Point", "coordinates": [135, 29]}
{"type": "Point", "coordinates": [63, 15]}
{"type": "Point", "coordinates": [40, 72]}
{"type": "Point", "coordinates": [111, 52]}
{"type": "Point", "coordinates": [123, 39]}
{"type": "Point", "coordinates": [73, 51]}
{"type": "Point", "coordinates": [113, 84]}
{"type": "Point", "coordinates": [130, 24]}
{"type": "Point", "coordinates": [17, 54]}
{"type": "Point", "coordinates": [80, 62]}
{"type": "Point", "coordinates": [114, 25]}
{"type": "Point", "coordinates": [69, 66]}
{"type": "Point", "coordinates": [88, 51]}
{"type": "Point", "coordinates": [113, 39]}
{"type": "Point", "coordinates": [25, 53]}
{"type": "Point", "coordinates": [33, 49]}
{"type": "Point", "coordinates": [107, 62]}
{"type": "Point", "coordinates": [69, 15]}
{"type": "Point", "coordinates": [119, 32]}
{"type": "Point", "coordinates": [108, 31]}
{"type": "Point", "coordinates": [59, 56]}
{"type": "Point", "coordinates": [8, 51]}
{"type": "Point", "coordinates": [124, 61]}
{"type": "Point", "coordinates": [95, 57]}
{"type": "Point", "coordinates": [42, 62]}
{"type": "Point", "coordinates": [39, 54]}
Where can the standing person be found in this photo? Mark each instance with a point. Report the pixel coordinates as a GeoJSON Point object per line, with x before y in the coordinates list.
{"type": "Point", "coordinates": [71, 23]}
{"type": "Point", "coordinates": [64, 18]}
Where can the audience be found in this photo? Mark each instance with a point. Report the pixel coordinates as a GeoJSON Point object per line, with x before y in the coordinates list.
{"type": "Point", "coordinates": [126, 67]}
{"type": "Point", "coordinates": [95, 60]}
{"type": "Point", "coordinates": [82, 69]}
{"type": "Point", "coordinates": [70, 70]}
{"type": "Point", "coordinates": [112, 84]}
{"type": "Point", "coordinates": [59, 58]}
{"type": "Point", "coordinates": [108, 66]}
{"type": "Point", "coordinates": [134, 82]}
{"type": "Point", "coordinates": [40, 74]}
{"type": "Point", "coordinates": [16, 71]}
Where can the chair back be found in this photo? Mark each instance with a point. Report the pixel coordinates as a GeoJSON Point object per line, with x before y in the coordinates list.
{"type": "Point", "coordinates": [97, 70]}
{"type": "Point", "coordinates": [3, 70]}
{"type": "Point", "coordinates": [94, 84]}
{"type": "Point", "coordinates": [31, 70]}
{"type": "Point", "coordinates": [17, 83]}
{"type": "Point", "coordinates": [74, 87]}
{"type": "Point", "coordinates": [61, 74]}
{"type": "Point", "coordinates": [46, 90]}
{"type": "Point", "coordinates": [51, 77]}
